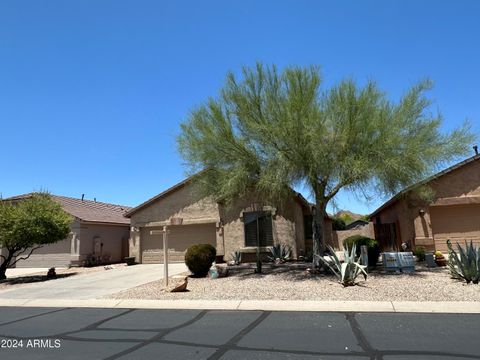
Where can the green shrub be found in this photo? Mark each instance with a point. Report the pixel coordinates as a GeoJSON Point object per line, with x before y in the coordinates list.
{"type": "Point", "coordinates": [338, 224]}
{"type": "Point", "coordinates": [199, 259]}
{"type": "Point", "coordinates": [372, 247]}
{"type": "Point", "coordinates": [419, 253]}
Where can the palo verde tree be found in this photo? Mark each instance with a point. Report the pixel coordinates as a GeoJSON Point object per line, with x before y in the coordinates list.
{"type": "Point", "coordinates": [269, 130]}
{"type": "Point", "coordinates": [28, 224]}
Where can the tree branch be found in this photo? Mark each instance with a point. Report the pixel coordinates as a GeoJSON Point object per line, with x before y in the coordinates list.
{"type": "Point", "coordinates": [25, 258]}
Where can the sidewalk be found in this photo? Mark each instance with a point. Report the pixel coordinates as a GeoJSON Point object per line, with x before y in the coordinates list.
{"type": "Point", "coordinates": [266, 305]}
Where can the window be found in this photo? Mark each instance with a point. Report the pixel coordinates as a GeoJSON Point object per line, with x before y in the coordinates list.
{"type": "Point", "coordinates": [258, 223]}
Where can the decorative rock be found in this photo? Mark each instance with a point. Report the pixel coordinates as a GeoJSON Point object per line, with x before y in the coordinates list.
{"type": "Point", "coordinates": [178, 284]}
{"type": "Point", "coordinates": [51, 273]}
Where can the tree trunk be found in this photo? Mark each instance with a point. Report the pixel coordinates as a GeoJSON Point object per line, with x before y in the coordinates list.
{"type": "Point", "coordinates": [318, 226]}
{"type": "Point", "coordinates": [4, 266]}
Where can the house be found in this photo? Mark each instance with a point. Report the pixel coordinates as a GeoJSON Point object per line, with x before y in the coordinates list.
{"type": "Point", "coordinates": [99, 233]}
{"type": "Point", "coordinates": [356, 225]}
{"type": "Point", "coordinates": [228, 228]}
{"type": "Point", "coordinates": [452, 212]}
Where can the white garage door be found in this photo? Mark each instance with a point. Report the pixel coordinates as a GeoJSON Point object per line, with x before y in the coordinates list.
{"type": "Point", "coordinates": [457, 223]}
{"type": "Point", "coordinates": [179, 239]}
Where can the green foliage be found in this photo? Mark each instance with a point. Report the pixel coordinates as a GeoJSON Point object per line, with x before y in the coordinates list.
{"type": "Point", "coordinates": [280, 253]}
{"type": "Point", "coordinates": [348, 271]}
{"type": "Point", "coordinates": [373, 248]}
{"type": "Point", "coordinates": [199, 259]}
{"type": "Point", "coordinates": [419, 252]}
{"type": "Point", "coordinates": [236, 257]}
{"type": "Point", "coordinates": [466, 263]}
{"type": "Point", "coordinates": [269, 130]}
{"type": "Point", "coordinates": [338, 223]}
{"type": "Point", "coordinates": [27, 224]}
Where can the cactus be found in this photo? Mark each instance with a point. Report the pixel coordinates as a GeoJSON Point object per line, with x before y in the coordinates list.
{"type": "Point", "coordinates": [466, 263]}
{"type": "Point", "coordinates": [347, 271]}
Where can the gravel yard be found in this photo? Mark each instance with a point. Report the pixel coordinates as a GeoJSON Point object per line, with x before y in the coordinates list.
{"type": "Point", "coordinates": [296, 284]}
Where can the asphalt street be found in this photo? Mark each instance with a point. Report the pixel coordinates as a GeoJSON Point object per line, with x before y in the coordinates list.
{"type": "Point", "coordinates": [85, 333]}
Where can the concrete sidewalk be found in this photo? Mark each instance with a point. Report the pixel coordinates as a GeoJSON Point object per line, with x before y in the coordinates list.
{"type": "Point", "coordinates": [457, 307]}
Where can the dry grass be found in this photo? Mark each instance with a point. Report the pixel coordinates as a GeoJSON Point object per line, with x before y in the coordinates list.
{"type": "Point", "coordinates": [296, 284]}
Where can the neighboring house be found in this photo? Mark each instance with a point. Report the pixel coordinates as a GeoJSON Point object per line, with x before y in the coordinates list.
{"type": "Point", "coordinates": [453, 213]}
{"type": "Point", "coordinates": [356, 225]}
{"type": "Point", "coordinates": [99, 232]}
{"type": "Point", "coordinates": [229, 229]}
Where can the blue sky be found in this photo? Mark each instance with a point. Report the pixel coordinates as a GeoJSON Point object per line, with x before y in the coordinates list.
{"type": "Point", "coordinates": [92, 92]}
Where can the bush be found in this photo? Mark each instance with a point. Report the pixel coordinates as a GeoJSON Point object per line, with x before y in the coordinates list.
{"type": "Point", "coordinates": [372, 247]}
{"type": "Point", "coordinates": [338, 224]}
{"type": "Point", "coordinates": [419, 253]}
{"type": "Point", "coordinates": [199, 259]}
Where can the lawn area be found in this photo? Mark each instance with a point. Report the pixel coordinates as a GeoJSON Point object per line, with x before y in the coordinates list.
{"type": "Point", "coordinates": [287, 283]}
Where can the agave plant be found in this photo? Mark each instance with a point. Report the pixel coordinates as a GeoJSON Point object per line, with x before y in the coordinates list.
{"type": "Point", "coordinates": [466, 263]}
{"type": "Point", "coordinates": [347, 271]}
{"type": "Point", "coordinates": [280, 253]}
{"type": "Point", "coordinates": [236, 257]}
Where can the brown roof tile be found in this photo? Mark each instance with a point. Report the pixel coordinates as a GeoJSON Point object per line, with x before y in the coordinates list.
{"type": "Point", "coordinates": [87, 210]}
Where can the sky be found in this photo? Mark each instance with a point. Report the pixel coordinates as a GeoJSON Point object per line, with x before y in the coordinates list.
{"type": "Point", "coordinates": [92, 92]}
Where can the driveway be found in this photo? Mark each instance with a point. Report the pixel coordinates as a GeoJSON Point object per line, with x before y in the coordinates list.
{"type": "Point", "coordinates": [92, 285]}
{"type": "Point", "coordinates": [72, 333]}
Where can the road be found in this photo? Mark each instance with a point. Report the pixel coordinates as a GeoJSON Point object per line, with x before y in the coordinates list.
{"type": "Point", "coordinates": [81, 333]}
{"type": "Point", "coordinates": [92, 285]}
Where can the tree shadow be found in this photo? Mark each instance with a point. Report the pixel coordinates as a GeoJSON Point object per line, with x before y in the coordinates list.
{"type": "Point", "coordinates": [33, 279]}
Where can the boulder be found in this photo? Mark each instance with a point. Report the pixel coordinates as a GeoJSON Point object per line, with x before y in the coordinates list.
{"type": "Point", "coordinates": [177, 284]}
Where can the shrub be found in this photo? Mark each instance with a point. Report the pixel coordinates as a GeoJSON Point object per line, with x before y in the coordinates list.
{"type": "Point", "coordinates": [199, 259]}
{"type": "Point", "coordinates": [419, 253]}
{"type": "Point", "coordinates": [338, 224]}
{"type": "Point", "coordinates": [466, 263]}
{"type": "Point", "coordinates": [347, 271]}
{"type": "Point", "coordinates": [438, 254]}
{"type": "Point", "coordinates": [280, 253]}
{"type": "Point", "coordinates": [236, 257]}
{"type": "Point", "coordinates": [372, 247]}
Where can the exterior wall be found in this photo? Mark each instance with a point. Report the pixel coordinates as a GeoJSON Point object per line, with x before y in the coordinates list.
{"type": "Point", "coordinates": [458, 187]}
{"type": "Point", "coordinates": [53, 255]}
{"type": "Point", "coordinates": [340, 235]}
{"type": "Point", "coordinates": [112, 237]}
{"type": "Point", "coordinates": [287, 226]}
{"type": "Point", "coordinates": [186, 203]}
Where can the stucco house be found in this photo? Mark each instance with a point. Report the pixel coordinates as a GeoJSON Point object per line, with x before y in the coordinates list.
{"type": "Point", "coordinates": [232, 228]}
{"type": "Point", "coordinates": [453, 212]}
{"type": "Point", "coordinates": [99, 231]}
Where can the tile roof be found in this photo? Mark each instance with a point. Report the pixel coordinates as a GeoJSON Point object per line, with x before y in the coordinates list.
{"type": "Point", "coordinates": [88, 210]}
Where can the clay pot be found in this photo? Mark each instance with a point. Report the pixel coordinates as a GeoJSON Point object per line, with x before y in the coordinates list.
{"type": "Point", "coordinates": [441, 261]}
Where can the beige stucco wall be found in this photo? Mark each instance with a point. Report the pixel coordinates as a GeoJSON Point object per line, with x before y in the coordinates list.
{"type": "Point", "coordinates": [186, 203]}
{"type": "Point", "coordinates": [111, 236]}
{"type": "Point", "coordinates": [461, 185]}
{"type": "Point", "coordinates": [340, 235]}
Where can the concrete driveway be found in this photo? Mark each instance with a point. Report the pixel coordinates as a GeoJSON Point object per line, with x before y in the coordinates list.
{"type": "Point", "coordinates": [92, 285]}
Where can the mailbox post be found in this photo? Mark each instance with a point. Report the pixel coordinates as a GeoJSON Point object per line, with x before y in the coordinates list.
{"type": "Point", "coordinates": [164, 233]}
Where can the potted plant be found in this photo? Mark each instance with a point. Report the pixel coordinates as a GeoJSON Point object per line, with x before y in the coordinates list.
{"type": "Point", "coordinates": [440, 259]}
{"type": "Point", "coordinates": [130, 260]}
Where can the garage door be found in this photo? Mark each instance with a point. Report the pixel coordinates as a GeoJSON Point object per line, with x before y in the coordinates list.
{"type": "Point", "coordinates": [53, 255]}
{"type": "Point", "coordinates": [457, 223]}
{"type": "Point", "coordinates": [179, 239]}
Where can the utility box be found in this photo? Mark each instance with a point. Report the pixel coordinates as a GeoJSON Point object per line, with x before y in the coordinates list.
{"type": "Point", "coordinates": [398, 262]}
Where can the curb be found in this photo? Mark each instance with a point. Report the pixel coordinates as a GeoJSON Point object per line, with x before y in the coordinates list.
{"type": "Point", "coordinates": [457, 307]}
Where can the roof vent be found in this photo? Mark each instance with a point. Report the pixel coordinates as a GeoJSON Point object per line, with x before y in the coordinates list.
{"type": "Point", "coordinates": [83, 195]}
{"type": "Point", "coordinates": [475, 148]}
{"type": "Point", "coordinates": [94, 199]}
